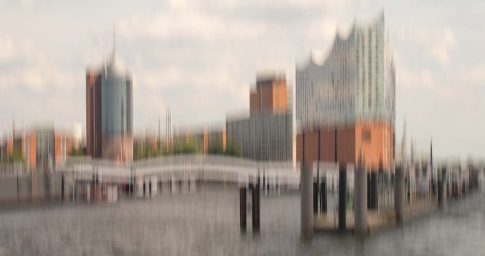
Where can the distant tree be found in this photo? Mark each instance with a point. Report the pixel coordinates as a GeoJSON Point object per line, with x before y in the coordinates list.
{"type": "Point", "coordinates": [77, 152]}
{"type": "Point", "coordinates": [143, 151]}
{"type": "Point", "coordinates": [16, 156]}
{"type": "Point", "coordinates": [216, 148]}
{"type": "Point", "coordinates": [184, 148]}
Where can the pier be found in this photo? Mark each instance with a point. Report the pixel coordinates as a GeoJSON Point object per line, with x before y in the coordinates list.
{"type": "Point", "coordinates": [382, 200]}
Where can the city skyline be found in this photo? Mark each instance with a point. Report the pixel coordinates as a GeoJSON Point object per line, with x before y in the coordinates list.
{"type": "Point", "coordinates": [214, 57]}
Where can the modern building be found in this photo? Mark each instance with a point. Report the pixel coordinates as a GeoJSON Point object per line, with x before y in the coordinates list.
{"type": "Point", "coordinates": [109, 112]}
{"type": "Point", "coordinates": [347, 103]}
{"type": "Point", "coordinates": [267, 133]}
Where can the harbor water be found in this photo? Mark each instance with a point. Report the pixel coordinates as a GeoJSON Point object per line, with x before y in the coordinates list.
{"type": "Point", "coordinates": [206, 222]}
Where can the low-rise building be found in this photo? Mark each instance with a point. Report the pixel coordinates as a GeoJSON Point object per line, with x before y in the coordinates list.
{"type": "Point", "coordinates": [39, 148]}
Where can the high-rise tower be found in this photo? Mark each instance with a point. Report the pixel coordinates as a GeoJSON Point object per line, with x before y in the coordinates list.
{"type": "Point", "coordinates": [109, 112]}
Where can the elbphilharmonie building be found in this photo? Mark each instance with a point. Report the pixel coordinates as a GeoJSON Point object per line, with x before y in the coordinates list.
{"type": "Point", "coordinates": [345, 105]}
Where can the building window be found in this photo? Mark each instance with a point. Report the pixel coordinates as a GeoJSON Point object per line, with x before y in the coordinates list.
{"type": "Point", "coordinates": [366, 135]}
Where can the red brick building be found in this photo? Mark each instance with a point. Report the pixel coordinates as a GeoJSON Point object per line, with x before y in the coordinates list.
{"type": "Point", "coordinates": [344, 144]}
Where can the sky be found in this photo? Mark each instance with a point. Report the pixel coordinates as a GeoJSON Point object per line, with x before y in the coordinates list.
{"type": "Point", "coordinates": [199, 58]}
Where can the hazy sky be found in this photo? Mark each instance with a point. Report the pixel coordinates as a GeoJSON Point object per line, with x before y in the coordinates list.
{"type": "Point", "coordinates": [200, 58]}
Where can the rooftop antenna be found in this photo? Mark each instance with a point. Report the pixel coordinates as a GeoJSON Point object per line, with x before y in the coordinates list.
{"type": "Point", "coordinates": [114, 42]}
{"type": "Point", "coordinates": [403, 142]}
{"type": "Point", "coordinates": [13, 127]}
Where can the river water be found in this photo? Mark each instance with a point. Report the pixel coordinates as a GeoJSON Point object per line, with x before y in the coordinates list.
{"type": "Point", "coordinates": [207, 223]}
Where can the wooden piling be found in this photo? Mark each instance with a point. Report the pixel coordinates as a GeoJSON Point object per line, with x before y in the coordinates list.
{"type": "Point", "coordinates": [323, 195]}
{"type": "Point", "coordinates": [360, 188]}
{"type": "Point", "coordinates": [242, 208]}
{"type": "Point", "coordinates": [306, 200]}
{"type": "Point", "coordinates": [342, 197]}
{"type": "Point", "coordinates": [399, 194]}
{"type": "Point", "coordinates": [255, 209]}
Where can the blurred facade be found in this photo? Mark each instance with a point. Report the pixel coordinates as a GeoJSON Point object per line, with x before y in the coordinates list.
{"type": "Point", "coordinates": [146, 145]}
{"type": "Point", "coordinates": [269, 96]}
{"type": "Point", "coordinates": [109, 112]}
{"type": "Point", "coordinates": [267, 134]}
{"type": "Point", "coordinates": [204, 139]}
{"type": "Point", "coordinates": [38, 148]}
{"type": "Point", "coordinates": [347, 104]}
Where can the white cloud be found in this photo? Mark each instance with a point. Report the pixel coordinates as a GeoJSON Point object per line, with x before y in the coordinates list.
{"type": "Point", "coordinates": [415, 79]}
{"type": "Point", "coordinates": [436, 42]}
{"type": "Point", "coordinates": [186, 21]}
{"type": "Point", "coordinates": [7, 50]}
{"type": "Point", "coordinates": [443, 45]}
{"type": "Point", "coordinates": [472, 75]}
{"type": "Point", "coordinates": [26, 66]}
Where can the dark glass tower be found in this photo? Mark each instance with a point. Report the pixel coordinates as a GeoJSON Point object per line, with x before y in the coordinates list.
{"type": "Point", "coordinates": [109, 112]}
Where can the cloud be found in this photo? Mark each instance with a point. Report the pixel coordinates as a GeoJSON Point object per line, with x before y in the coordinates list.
{"type": "Point", "coordinates": [7, 50]}
{"type": "Point", "coordinates": [415, 79]}
{"type": "Point", "coordinates": [23, 65]}
{"type": "Point", "coordinates": [472, 75]}
{"type": "Point", "coordinates": [443, 45]}
{"type": "Point", "coordinates": [435, 42]}
{"type": "Point", "coordinates": [183, 21]}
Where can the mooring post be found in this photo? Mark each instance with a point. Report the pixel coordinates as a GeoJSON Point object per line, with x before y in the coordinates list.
{"type": "Point", "coordinates": [144, 188]}
{"type": "Point", "coordinates": [342, 197]}
{"type": "Point", "coordinates": [369, 199]}
{"type": "Point", "coordinates": [315, 197]}
{"type": "Point", "coordinates": [399, 194]}
{"type": "Point", "coordinates": [160, 188]}
{"type": "Point", "coordinates": [18, 187]}
{"type": "Point", "coordinates": [255, 209]}
{"type": "Point", "coordinates": [360, 193]}
{"type": "Point", "coordinates": [264, 182]}
{"type": "Point", "coordinates": [373, 190]}
{"type": "Point", "coordinates": [62, 187]}
{"type": "Point", "coordinates": [470, 179]}
{"type": "Point", "coordinates": [306, 201]}
{"type": "Point", "coordinates": [242, 208]}
{"type": "Point", "coordinates": [172, 185]}
{"type": "Point", "coordinates": [94, 185]}
{"type": "Point", "coordinates": [475, 179]}
{"type": "Point", "coordinates": [150, 187]}
{"type": "Point", "coordinates": [323, 195]}
{"type": "Point", "coordinates": [441, 189]}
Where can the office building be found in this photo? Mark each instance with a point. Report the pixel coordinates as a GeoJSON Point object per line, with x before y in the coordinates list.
{"type": "Point", "coordinates": [267, 133]}
{"type": "Point", "coordinates": [109, 112]}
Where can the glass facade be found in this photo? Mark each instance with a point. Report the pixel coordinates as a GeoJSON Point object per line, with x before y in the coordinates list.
{"type": "Point", "coordinates": [116, 101]}
{"type": "Point", "coordinates": [355, 83]}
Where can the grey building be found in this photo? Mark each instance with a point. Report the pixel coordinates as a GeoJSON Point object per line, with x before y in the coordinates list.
{"type": "Point", "coordinates": [263, 137]}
